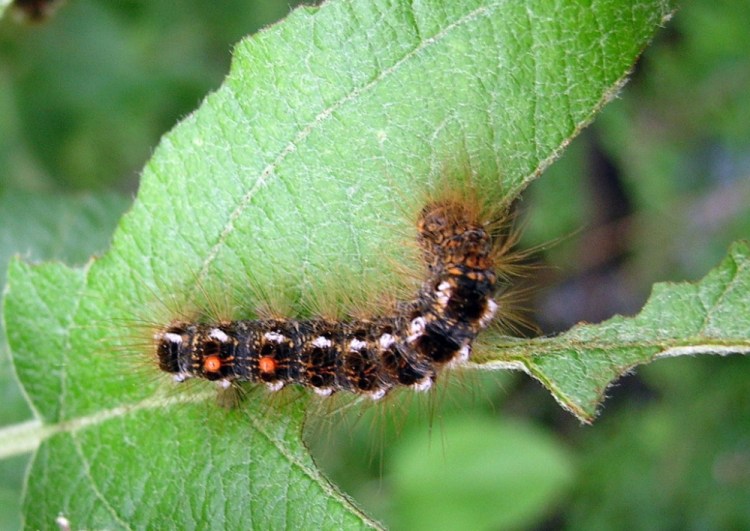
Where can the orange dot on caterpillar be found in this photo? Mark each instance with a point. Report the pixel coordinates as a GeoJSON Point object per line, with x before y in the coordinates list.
{"type": "Point", "coordinates": [212, 363]}
{"type": "Point", "coordinates": [267, 365]}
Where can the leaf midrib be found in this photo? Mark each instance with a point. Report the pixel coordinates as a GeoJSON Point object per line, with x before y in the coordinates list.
{"type": "Point", "coordinates": [537, 347]}
{"type": "Point", "coordinates": [37, 432]}
{"type": "Point", "coordinates": [267, 173]}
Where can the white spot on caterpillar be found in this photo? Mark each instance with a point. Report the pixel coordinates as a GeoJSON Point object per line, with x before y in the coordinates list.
{"type": "Point", "coordinates": [443, 293]}
{"type": "Point", "coordinates": [489, 313]}
{"type": "Point", "coordinates": [386, 340]}
{"type": "Point", "coordinates": [323, 391]}
{"type": "Point", "coordinates": [416, 328]}
{"type": "Point", "coordinates": [423, 385]}
{"type": "Point", "coordinates": [463, 356]}
{"type": "Point", "coordinates": [171, 337]}
{"type": "Point", "coordinates": [218, 335]}
{"type": "Point", "coordinates": [376, 395]}
{"type": "Point", "coordinates": [274, 337]}
{"type": "Point", "coordinates": [322, 342]}
{"type": "Point", "coordinates": [355, 345]}
{"type": "Point", "coordinates": [275, 386]}
{"type": "Point", "coordinates": [224, 384]}
{"type": "Point", "coordinates": [181, 376]}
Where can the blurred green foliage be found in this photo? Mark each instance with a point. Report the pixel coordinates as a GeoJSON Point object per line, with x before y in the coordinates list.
{"type": "Point", "coordinates": [85, 96]}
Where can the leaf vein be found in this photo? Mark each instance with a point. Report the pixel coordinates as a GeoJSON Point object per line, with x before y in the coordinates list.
{"type": "Point", "coordinates": [97, 492]}
{"type": "Point", "coordinates": [269, 171]}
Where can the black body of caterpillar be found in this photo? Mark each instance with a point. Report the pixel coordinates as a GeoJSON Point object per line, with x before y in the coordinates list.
{"type": "Point", "coordinates": [364, 356]}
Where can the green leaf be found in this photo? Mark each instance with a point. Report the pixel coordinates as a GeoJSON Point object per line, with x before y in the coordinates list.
{"type": "Point", "coordinates": [46, 226]}
{"type": "Point", "coordinates": [708, 317]}
{"type": "Point", "coordinates": [67, 227]}
{"type": "Point", "coordinates": [42, 226]}
{"type": "Point", "coordinates": [294, 184]}
{"type": "Point", "coordinates": [490, 474]}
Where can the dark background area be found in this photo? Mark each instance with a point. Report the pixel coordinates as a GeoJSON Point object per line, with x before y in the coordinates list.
{"type": "Point", "coordinates": [655, 190]}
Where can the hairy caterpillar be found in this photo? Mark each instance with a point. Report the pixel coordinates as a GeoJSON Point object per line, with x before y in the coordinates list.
{"type": "Point", "coordinates": [364, 356]}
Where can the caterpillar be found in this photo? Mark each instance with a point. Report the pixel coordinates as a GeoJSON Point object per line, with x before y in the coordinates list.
{"type": "Point", "coordinates": [363, 356]}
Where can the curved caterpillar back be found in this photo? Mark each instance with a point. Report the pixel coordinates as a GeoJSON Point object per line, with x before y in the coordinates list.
{"type": "Point", "coordinates": [365, 356]}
